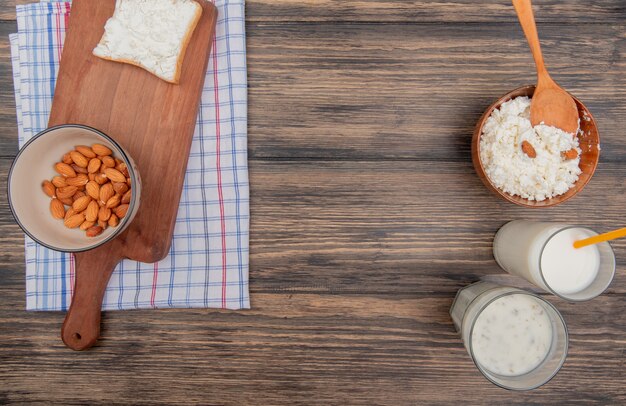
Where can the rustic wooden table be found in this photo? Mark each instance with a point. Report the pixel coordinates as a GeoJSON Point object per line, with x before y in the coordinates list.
{"type": "Point", "coordinates": [367, 217]}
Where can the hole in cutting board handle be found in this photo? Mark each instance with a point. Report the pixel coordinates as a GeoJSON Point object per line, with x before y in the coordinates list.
{"type": "Point", "coordinates": [77, 336]}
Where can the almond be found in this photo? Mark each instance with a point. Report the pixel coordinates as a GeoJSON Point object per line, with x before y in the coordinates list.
{"type": "Point", "coordinates": [126, 197]}
{"type": "Point", "coordinates": [528, 149]}
{"type": "Point", "coordinates": [94, 231]}
{"type": "Point", "coordinates": [65, 170]}
{"type": "Point", "coordinates": [95, 185]}
{"type": "Point", "coordinates": [114, 201]}
{"type": "Point", "coordinates": [67, 191]}
{"type": "Point", "coordinates": [113, 220]}
{"type": "Point", "coordinates": [570, 154]}
{"type": "Point", "coordinates": [94, 165]}
{"type": "Point", "coordinates": [104, 214]}
{"type": "Point", "coordinates": [74, 221]}
{"type": "Point", "coordinates": [106, 192]}
{"type": "Point", "coordinates": [100, 149]}
{"type": "Point", "coordinates": [77, 195]}
{"type": "Point", "coordinates": [79, 159]}
{"type": "Point", "coordinates": [114, 175]}
{"type": "Point", "coordinates": [101, 179]}
{"type": "Point", "coordinates": [86, 151]}
{"type": "Point", "coordinates": [108, 162]}
{"type": "Point", "coordinates": [120, 187]}
{"type": "Point", "coordinates": [79, 169]}
{"type": "Point", "coordinates": [59, 181]}
{"type": "Point", "coordinates": [57, 209]}
{"type": "Point", "coordinates": [93, 189]}
{"type": "Point", "coordinates": [48, 188]}
{"type": "Point", "coordinates": [79, 180]}
{"type": "Point", "coordinates": [122, 168]}
{"type": "Point", "coordinates": [87, 224]}
{"type": "Point", "coordinates": [69, 213]}
{"type": "Point", "coordinates": [120, 211]}
{"type": "Point", "coordinates": [66, 200]}
{"type": "Point", "coordinates": [81, 203]}
{"type": "Point", "coordinates": [91, 213]}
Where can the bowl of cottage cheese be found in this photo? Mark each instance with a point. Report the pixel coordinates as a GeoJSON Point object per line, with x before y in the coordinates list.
{"type": "Point", "coordinates": [538, 166]}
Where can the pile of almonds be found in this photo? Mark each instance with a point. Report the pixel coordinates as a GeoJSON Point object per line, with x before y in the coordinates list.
{"type": "Point", "coordinates": [94, 185]}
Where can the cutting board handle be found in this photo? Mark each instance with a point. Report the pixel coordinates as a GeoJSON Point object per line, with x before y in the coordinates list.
{"type": "Point", "coordinates": [81, 327]}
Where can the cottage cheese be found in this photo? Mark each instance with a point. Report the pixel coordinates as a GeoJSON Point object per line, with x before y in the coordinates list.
{"type": "Point", "coordinates": [152, 34]}
{"type": "Point", "coordinates": [547, 175]}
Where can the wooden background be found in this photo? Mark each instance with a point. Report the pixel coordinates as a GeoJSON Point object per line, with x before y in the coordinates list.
{"type": "Point", "coordinates": [367, 218]}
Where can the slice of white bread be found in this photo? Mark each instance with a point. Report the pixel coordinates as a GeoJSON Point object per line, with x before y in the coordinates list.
{"type": "Point", "coordinates": [151, 34]}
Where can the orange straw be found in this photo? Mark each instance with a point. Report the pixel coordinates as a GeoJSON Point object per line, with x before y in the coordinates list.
{"type": "Point", "coordinates": [611, 235]}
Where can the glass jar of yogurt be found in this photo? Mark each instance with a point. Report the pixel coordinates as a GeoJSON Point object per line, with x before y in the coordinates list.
{"type": "Point", "coordinates": [516, 339]}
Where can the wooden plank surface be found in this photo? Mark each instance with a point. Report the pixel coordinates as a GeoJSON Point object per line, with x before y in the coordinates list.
{"type": "Point", "coordinates": [381, 227]}
{"type": "Point", "coordinates": [374, 97]}
{"type": "Point", "coordinates": [367, 218]}
{"type": "Point", "coordinates": [297, 349]}
{"type": "Point", "coordinates": [400, 94]}
{"type": "Point", "coordinates": [411, 11]}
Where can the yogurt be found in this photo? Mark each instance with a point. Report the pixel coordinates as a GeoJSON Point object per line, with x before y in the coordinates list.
{"type": "Point", "coordinates": [518, 340]}
{"type": "Point", "coordinates": [512, 335]}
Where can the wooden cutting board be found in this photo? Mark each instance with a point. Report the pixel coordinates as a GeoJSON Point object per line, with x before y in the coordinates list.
{"type": "Point", "coordinates": [153, 120]}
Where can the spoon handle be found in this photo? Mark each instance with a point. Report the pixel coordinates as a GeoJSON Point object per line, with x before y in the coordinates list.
{"type": "Point", "coordinates": [526, 18]}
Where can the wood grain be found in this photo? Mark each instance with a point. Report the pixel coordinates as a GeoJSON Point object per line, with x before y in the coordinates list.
{"type": "Point", "coordinates": [387, 227]}
{"type": "Point", "coordinates": [154, 122]}
{"type": "Point", "coordinates": [334, 91]}
{"type": "Point", "coordinates": [298, 349]}
{"type": "Point", "coordinates": [294, 347]}
{"type": "Point", "coordinates": [8, 122]}
{"type": "Point", "coordinates": [399, 94]}
{"type": "Point", "coordinates": [367, 217]}
{"type": "Point", "coordinates": [411, 11]}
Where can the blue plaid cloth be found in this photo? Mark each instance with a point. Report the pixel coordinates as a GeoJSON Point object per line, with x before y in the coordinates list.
{"type": "Point", "coordinates": [208, 263]}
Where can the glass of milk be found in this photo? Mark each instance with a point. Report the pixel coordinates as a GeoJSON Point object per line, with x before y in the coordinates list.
{"type": "Point", "coordinates": [516, 339]}
{"type": "Point", "coordinates": [544, 254]}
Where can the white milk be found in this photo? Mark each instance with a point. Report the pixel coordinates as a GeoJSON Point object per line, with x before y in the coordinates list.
{"type": "Point", "coordinates": [567, 269]}
{"type": "Point", "coordinates": [512, 335]}
{"type": "Point", "coordinates": [518, 246]}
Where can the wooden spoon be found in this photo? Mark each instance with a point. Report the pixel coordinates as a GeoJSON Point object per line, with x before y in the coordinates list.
{"type": "Point", "coordinates": [550, 104]}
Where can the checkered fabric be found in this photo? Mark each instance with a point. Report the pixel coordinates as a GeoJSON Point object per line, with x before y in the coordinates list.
{"type": "Point", "coordinates": [208, 263]}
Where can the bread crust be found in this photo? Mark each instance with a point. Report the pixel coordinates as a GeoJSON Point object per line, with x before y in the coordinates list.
{"type": "Point", "coordinates": [186, 41]}
{"type": "Point", "coordinates": [181, 56]}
